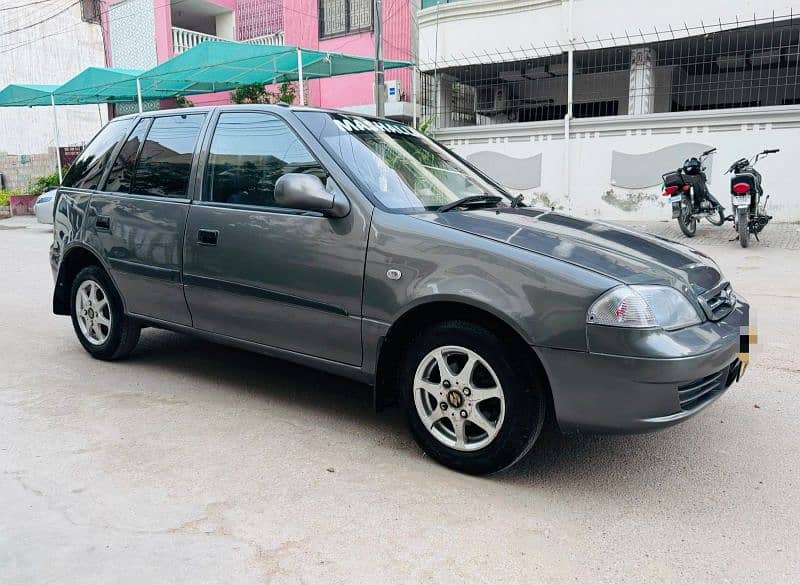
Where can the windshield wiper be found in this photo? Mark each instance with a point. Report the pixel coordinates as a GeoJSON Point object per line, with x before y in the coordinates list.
{"type": "Point", "coordinates": [471, 200]}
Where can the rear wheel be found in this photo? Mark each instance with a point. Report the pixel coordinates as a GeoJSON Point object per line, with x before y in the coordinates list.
{"type": "Point", "coordinates": [471, 401]}
{"type": "Point", "coordinates": [98, 317]}
{"type": "Point", "coordinates": [688, 224]}
{"type": "Point", "coordinates": [742, 227]}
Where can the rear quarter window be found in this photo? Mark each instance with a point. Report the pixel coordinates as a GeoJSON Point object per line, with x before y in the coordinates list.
{"type": "Point", "coordinates": [86, 171]}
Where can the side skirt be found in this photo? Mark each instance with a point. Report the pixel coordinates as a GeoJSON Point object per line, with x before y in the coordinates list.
{"type": "Point", "coordinates": [345, 370]}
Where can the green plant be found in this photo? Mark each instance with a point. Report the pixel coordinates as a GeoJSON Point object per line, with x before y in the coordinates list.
{"type": "Point", "coordinates": [426, 127]}
{"type": "Point", "coordinates": [259, 94]}
{"type": "Point", "coordinates": [42, 184]}
{"type": "Point", "coordinates": [5, 196]}
{"type": "Point", "coordinates": [183, 102]}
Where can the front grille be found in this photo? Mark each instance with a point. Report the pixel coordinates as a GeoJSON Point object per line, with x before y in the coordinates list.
{"type": "Point", "coordinates": [694, 394]}
{"type": "Point", "coordinates": [718, 301]}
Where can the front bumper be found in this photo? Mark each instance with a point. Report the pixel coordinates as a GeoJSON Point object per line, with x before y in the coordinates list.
{"type": "Point", "coordinates": [669, 377]}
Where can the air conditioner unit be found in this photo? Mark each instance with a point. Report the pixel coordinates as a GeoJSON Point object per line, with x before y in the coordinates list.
{"type": "Point", "coordinates": [393, 90]}
{"type": "Point", "coordinates": [500, 100]}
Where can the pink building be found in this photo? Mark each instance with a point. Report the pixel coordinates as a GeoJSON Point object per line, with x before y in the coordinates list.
{"type": "Point", "coordinates": [140, 34]}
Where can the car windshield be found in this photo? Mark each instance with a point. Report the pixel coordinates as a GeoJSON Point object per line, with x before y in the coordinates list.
{"type": "Point", "coordinates": [403, 169]}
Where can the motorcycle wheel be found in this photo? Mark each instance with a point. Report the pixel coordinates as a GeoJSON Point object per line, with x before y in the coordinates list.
{"type": "Point", "coordinates": [742, 227]}
{"type": "Point", "coordinates": [688, 225]}
{"type": "Point", "coordinates": [718, 218]}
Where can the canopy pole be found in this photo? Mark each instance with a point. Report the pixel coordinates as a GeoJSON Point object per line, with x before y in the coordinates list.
{"type": "Point", "coordinates": [139, 93]}
{"type": "Point", "coordinates": [58, 140]}
{"type": "Point", "coordinates": [300, 76]}
{"type": "Point", "coordinates": [414, 96]}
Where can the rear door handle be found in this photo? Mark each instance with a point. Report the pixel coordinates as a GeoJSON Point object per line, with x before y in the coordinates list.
{"type": "Point", "coordinates": [103, 222]}
{"type": "Point", "coordinates": [207, 237]}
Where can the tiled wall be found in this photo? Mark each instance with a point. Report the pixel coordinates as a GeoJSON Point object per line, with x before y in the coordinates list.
{"type": "Point", "coordinates": [19, 170]}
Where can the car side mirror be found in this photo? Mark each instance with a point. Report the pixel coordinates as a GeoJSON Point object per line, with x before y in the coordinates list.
{"type": "Point", "coordinates": [302, 191]}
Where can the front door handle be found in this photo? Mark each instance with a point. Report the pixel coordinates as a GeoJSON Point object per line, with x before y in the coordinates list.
{"type": "Point", "coordinates": [207, 237]}
{"type": "Point", "coordinates": [103, 223]}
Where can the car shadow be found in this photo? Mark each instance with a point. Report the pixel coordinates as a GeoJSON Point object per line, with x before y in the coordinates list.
{"type": "Point", "coordinates": [557, 460]}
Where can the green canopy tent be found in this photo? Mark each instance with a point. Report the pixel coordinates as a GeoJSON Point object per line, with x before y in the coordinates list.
{"type": "Point", "coordinates": [108, 85]}
{"type": "Point", "coordinates": [209, 67]}
{"type": "Point", "coordinates": [223, 65]}
{"type": "Point", "coordinates": [34, 95]}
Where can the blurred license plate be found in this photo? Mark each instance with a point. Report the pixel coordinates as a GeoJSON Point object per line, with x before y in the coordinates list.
{"type": "Point", "coordinates": [675, 199]}
{"type": "Point", "coordinates": [741, 199]}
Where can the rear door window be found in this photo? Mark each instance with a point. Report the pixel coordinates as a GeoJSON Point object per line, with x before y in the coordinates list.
{"type": "Point", "coordinates": [166, 156]}
{"type": "Point", "coordinates": [121, 175]}
{"type": "Point", "coordinates": [86, 171]}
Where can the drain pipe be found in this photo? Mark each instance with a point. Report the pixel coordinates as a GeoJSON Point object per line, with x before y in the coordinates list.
{"type": "Point", "coordinates": [568, 115]}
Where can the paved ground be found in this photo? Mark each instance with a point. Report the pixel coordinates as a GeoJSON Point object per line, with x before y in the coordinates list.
{"type": "Point", "coordinates": [196, 464]}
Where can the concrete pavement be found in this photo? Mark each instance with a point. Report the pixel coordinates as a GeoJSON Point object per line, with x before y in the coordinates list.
{"type": "Point", "coordinates": [198, 464]}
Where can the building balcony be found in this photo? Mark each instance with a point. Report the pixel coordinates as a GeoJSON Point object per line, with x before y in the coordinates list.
{"type": "Point", "coordinates": [184, 39]}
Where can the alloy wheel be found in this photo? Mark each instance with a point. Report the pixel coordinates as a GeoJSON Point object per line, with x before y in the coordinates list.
{"type": "Point", "coordinates": [459, 398]}
{"type": "Point", "coordinates": [93, 312]}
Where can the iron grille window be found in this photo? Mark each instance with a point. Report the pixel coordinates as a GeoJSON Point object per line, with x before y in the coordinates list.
{"type": "Point", "coordinates": [344, 17]}
{"type": "Point", "coordinates": [738, 68]}
{"type": "Point", "coordinates": [90, 11]}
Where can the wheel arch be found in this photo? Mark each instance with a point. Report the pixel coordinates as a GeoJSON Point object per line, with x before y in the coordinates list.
{"type": "Point", "coordinates": [425, 313]}
{"type": "Point", "coordinates": [75, 259]}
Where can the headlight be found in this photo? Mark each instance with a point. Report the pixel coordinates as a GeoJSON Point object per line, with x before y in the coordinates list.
{"type": "Point", "coordinates": [643, 306]}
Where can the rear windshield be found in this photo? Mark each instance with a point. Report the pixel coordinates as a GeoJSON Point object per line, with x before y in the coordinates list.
{"type": "Point", "coordinates": [401, 168]}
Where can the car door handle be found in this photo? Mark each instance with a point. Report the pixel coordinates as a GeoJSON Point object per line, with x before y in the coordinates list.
{"type": "Point", "coordinates": [103, 223]}
{"type": "Point", "coordinates": [207, 237]}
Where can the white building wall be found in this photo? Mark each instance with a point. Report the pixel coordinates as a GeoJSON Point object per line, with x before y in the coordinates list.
{"type": "Point", "coordinates": [467, 30]}
{"type": "Point", "coordinates": [49, 53]}
{"type": "Point", "coordinates": [579, 174]}
{"type": "Point", "coordinates": [593, 191]}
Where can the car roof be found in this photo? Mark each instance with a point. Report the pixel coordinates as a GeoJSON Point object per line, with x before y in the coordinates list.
{"type": "Point", "coordinates": [265, 107]}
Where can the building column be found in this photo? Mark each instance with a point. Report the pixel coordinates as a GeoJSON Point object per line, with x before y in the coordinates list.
{"type": "Point", "coordinates": [641, 91]}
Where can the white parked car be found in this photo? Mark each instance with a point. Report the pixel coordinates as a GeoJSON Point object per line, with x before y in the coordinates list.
{"type": "Point", "coordinates": [44, 206]}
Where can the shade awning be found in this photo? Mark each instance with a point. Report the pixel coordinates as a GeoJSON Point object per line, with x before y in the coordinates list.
{"type": "Point", "coordinates": [221, 65]}
{"type": "Point", "coordinates": [20, 95]}
{"type": "Point", "coordinates": [106, 85]}
{"type": "Point", "coordinates": [209, 67]}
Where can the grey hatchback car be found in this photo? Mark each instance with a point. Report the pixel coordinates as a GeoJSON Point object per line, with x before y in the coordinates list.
{"type": "Point", "coordinates": [361, 247]}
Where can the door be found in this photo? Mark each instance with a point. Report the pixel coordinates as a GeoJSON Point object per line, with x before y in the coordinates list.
{"type": "Point", "coordinates": [140, 216]}
{"type": "Point", "coordinates": [270, 275]}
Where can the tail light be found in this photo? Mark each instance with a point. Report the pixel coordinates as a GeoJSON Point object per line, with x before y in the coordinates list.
{"type": "Point", "coordinates": [671, 190]}
{"type": "Point", "coordinates": [741, 188]}
{"type": "Point", "coordinates": [686, 187]}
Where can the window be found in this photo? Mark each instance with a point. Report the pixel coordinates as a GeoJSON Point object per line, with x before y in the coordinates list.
{"type": "Point", "coordinates": [86, 171]}
{"type": "Point", "coordinates": [249, 153]}
{"type": "Point", "coordinates": [342, 17]}
{"type": "Point", "coordinates": [401, 168]}
{"type": "Point", "coordinates": [121, 175]}
{"type": "Point", "coordinates": [166, 157]}
{"type": "Point", "coordinates": [90, 11]}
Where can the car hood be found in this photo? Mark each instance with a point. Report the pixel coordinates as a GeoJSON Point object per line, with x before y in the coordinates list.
{"type": "Point", "coordinates": [625, 255]}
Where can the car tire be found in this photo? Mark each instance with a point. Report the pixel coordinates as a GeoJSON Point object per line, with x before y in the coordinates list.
{"type": "Point", "coordinates": [494, 432]}
{"type": "Point", "coordinates": [98, 316]}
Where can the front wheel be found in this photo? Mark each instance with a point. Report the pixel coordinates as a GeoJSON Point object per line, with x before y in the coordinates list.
{"type": "Point", "coordinates": [741, 225]}
{"type": "Point", "coordinates": [688, 224]}
{"type": "Point", "coordinates": [98, 316]}
{"type": "Point", "coordinates": [471, 400]}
